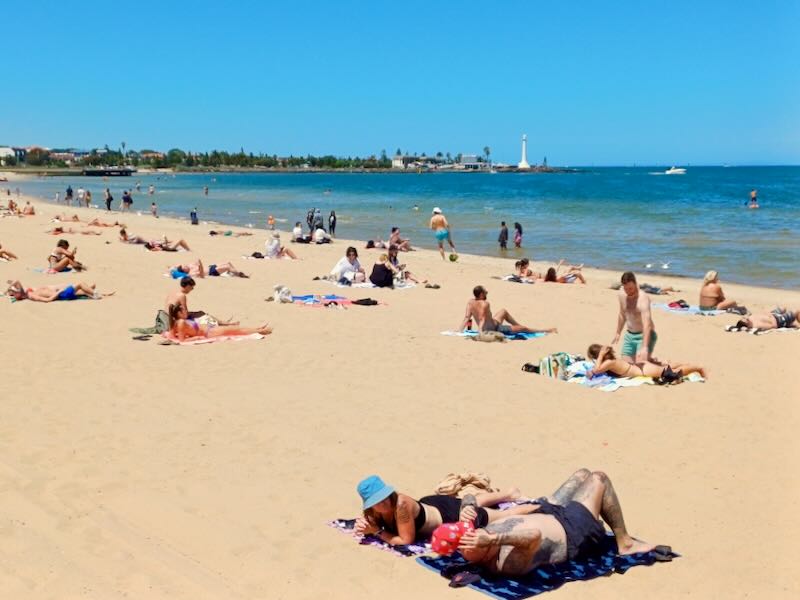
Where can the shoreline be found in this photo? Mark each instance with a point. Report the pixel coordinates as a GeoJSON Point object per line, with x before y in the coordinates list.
{"type": "Point", "coordinates": [643, 275]}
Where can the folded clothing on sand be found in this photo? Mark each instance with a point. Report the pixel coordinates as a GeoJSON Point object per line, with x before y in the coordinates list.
{"type": "Point", "coordinates": [545, 578]}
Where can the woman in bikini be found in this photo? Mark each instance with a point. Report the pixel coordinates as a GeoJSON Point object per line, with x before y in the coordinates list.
{"type": "Point", "coordinates": [61, 258]}
{"type": "Point", "coordinates": [606, 362]}
{"type": "Point", "coordinates": [572, 275]}
{"type": "Point", "coordinates": [7, 254]}
{"type": "Point", "coordinates": [396, 518]}
{"type": "Point", "coordinates": [183, 328]}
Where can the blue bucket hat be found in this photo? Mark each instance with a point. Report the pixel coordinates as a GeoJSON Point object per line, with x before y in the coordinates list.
{"type": "Point", "coordinates": [372, 490]}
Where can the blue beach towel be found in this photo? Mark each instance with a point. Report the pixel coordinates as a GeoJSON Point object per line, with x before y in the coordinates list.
{"type": "Point", "coordinates": [508, 336]}
{"type": "Point", "coordinates": [692, 310]}
{"type": "Point", "coordinates": [548, 577]}
{"type": "Point", "coordinates": [315, 299]}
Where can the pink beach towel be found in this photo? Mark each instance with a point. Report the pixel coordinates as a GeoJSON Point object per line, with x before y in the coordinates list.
{"type": "Point", "coordinates": [204, 340]}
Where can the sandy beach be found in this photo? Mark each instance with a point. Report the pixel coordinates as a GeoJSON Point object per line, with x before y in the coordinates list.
{"type": "Point", "coordinates": [134, 470]}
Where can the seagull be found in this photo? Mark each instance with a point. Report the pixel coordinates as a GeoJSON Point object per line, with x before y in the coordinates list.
{"type": "Point", "coordinates": [665, 265]}
{"type": "Point", "coordinates": [648, 266]}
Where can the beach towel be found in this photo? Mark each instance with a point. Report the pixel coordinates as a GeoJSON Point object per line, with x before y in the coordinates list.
{"type": "Point", "coordinates": [513, 279]}
{"type": "Point", "coordinates": [756, 331]}
{"type": "Point", "coordinates": [691, 310]}
{"type": "Point", "coordinates": [557, 365]}
{"type": "Point", "coordinates": [605, 383]}
{"type": "Point", "coordinates": [509, 336]}
{"type": "Point", "coordinates": [50, 271]}
{"type": "Point", "coordinates": [398, 285]}
{"type": "Point", "coordinates": [203, 340]}
{"type": "Point", "coordinates": [346, 526]}
{"type": "Point", "coordinates": [545, 578]}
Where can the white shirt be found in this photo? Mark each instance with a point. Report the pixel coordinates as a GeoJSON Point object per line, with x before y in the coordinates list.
{"type": "Point", "coordinates": [320, 236]}
{"type": "Point", "coordinates": [297, 233]}
{"type": "Point", "coordinates": [273, 247]}
{"type": "Point", "coordinates": [344, 268]}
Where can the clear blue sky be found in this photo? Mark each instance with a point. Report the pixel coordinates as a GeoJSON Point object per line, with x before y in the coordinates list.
{"type": "Point", "coordinates": [619, 82]}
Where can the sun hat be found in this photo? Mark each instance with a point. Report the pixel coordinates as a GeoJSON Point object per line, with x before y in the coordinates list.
{"type": "Point", "coordinates": [446, 537]}
{"type": "Point", "coordinates": [373, 490]}
{"type": "Point", "coordinates": [437, 210]}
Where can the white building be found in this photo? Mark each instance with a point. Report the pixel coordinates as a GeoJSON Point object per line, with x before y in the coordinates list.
{"type": "Point", "coordinates": [6, 152]}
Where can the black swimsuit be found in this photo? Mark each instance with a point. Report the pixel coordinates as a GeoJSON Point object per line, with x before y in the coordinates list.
{"type": "Point", "coordinates": [449, 508]}
{"type": "Point", "coordinates": [585, 534]}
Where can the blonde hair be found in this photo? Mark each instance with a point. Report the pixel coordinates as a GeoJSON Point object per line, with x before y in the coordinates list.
{"type": "Point", "coordinates": [383, 258]}
{"type": "Point", "coordinates": [711, 277]}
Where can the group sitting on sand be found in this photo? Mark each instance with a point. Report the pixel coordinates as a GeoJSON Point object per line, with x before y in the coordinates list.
{"type": "Point", "coordinates": [549, 530]}
{"type": "Point", "coordinates": [52, 293]}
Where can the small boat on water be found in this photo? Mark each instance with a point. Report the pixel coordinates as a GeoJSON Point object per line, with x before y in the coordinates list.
{"type": "Point", "coordinates": [675, 171]}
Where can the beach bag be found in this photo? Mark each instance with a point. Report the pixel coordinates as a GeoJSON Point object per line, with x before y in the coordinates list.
{"type": "Point", "coordinates": [555, 365]}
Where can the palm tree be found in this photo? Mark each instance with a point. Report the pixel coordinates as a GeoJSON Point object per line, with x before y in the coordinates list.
{"type": "Point", "coordinates": [486, 152]}
{"type": "Point", "coordinates": [123, 152]}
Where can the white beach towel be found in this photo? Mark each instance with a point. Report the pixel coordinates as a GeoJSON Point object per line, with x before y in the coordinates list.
{"type": "Point", "coordinates": [692, 310]}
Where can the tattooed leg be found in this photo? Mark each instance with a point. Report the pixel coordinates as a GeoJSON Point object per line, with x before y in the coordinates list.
{"type": "Point", "coordinates": [567, 490]}
{"type": "Point", "coordinates": [597, 494]}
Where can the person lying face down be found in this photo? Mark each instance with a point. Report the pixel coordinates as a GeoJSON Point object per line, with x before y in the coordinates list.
{"type": "Point", "coordinates": [563, 527]}
{"type": "Point", "coordinates": [397, 518]}
{"type": "Point", "coordinates": [607, 362]}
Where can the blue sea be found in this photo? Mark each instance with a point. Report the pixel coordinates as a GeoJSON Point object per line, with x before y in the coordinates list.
{"type": "Point", "coordinates": [617, 218]}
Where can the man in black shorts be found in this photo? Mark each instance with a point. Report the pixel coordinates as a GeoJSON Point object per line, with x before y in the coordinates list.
{"type": "Point", "coordinates": [565, 527]}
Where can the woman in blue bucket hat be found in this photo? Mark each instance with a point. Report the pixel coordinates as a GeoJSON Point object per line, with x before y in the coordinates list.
{"type": "Point", "coordinates": [396, 518]}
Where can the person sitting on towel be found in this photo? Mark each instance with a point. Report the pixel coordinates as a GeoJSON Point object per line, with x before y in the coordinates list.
{"type": "Point", "coordinates": [383, 272]}
{"type": "Point", "coordinates": [711, 295]}
{"type": "Point", "coordinates": [397, 518]}
{"type": "Point", "coordinates": [478, 310]}
{"type": "Point", "coordinates": [556, 532]}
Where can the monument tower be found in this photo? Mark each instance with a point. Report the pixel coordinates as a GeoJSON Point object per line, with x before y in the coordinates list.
{"type": "Point", "coordinates": [523, 163]}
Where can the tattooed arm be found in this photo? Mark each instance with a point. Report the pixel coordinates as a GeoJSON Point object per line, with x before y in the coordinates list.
{"type": "Point", "coordinates": [404, 519]}
{"type": "Point", "coordinates": [518, 545]}
{"type": "Point", "coordinates": [468, 511]}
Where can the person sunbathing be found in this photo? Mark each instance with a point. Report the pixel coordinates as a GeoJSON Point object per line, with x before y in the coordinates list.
{"type": "Point", "coordinates": [396, 518]}
{"type": "Point", "coordinates": [164, 245]}
{"type": "Point", "coordinates": [61, 258]}
{"type": "Point", "coordinates": [51, 293]}
{"type": "Point", "coordinates": [554, 533]}
{"type": "Point", "coordinates": [28, 210]}
{"type": "Point", "coordinates": [59, 230]}
{"type": "Point", "coordinates": [275, 250]}
{"type": "Point", "coordinates": [98, 223]}
{"type": "Point", "coordinates": [67, 219]}
{"type": "Point", "coordinates": [780, 318]}
{"type": "Point", "coordinates": [130, 239]}
{"type": "Point", "coordinates": [523, 272]}
{"type": "Point", "coordinates": [404, 245]}
{"type": "Point", "coordinates": [196, 269]}
{"type": "Point", "coordinates": [7, 254]}
{"type": "Point", "coordinates": [229, 233]}
{"type": "Point", "coordinates": [572, 275]}
{"type": "Point", "coordinates": [712, 297]}
{"type": "Point", "coordinates": [606, 362]}
{"type": "Point", "coordinates": [185, 328]}
{"type": "Point", "coordinates": [479, 311]}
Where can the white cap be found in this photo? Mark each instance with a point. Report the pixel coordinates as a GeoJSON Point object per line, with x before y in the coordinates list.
{"type": "Point", "coordinates": [437, 210]}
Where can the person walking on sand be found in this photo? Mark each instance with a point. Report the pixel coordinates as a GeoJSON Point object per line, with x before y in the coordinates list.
{"type": "Point", "coordinates": [479, 311]}
{"type": "Point", "coordinates": [154, 209]}
{"type": "Point", "coordinates": [441, 230]}
{"type": "Point", "coordinates": [503, 237]}
{"type": "Point", "coordinates": [634, 314]}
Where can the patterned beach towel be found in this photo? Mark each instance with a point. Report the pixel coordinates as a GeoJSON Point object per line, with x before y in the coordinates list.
{"type": "Point", "coordinates": [346, 526]}
{"type": "Point", "coordinates": [545, 578]}
{"type": "Point", "coordinates": [509, 336]}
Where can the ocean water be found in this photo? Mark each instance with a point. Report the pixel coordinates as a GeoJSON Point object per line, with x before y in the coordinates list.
{"type": "Point", "coordinates": [619, 218]}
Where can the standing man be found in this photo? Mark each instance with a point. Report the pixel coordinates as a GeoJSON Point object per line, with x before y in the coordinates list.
{"type": "Point", "coordinates": [68, 196]}
{"type": "Point", "coordinates": [634, 314]}
{"type": "Point", "coordinates": [503, 239]}
{"type": "Point", "coordinates": [81, 195]}
{"type": "Point", "coordinates": [753, 199]}
{"type": "Point", "coordinates": [441, 230]}
{"type": "Point", "coordinates": [109, 199]}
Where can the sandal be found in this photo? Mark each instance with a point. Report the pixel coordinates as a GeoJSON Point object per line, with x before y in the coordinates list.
{"type": "Point", "coordinates": [142, 338]}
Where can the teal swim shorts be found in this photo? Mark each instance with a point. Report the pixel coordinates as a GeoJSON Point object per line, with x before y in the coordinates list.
{"type": "Point", "coordinates": [441, 234]}
{"type": "Point", "coordinates": [633, 341]}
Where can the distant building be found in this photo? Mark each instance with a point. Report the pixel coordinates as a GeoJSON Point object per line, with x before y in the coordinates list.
{"type": "Point", "coordinates": [403, 162]}
{"type": "Point", "coordinates": [6, 152]}
{"type": "Point", "coordinates": [470, 162]}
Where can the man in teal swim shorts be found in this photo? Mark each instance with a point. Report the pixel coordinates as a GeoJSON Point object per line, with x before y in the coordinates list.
{"type": "Point", "coordinates": [441, 229]}
{"type": "Point", "coordinates": [634, 313]}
